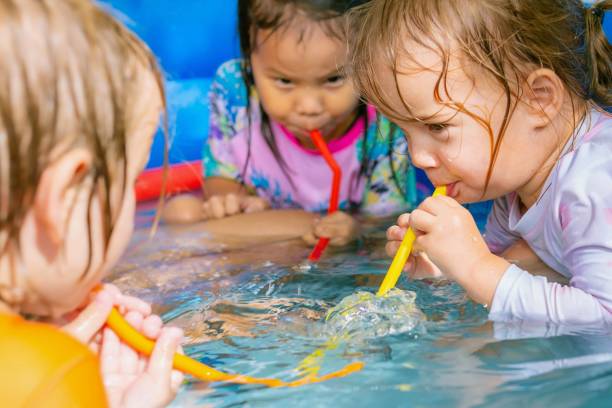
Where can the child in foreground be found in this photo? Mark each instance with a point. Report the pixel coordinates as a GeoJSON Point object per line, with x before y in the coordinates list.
{"type": "Point", "coordinates": [502, 100]}
{"type": "Point", "coordinates": [291, 80]}
{"type": "Point", "coordinates": [80, 98]}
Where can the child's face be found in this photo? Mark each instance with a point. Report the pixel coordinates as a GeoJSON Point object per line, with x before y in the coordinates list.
{"type": "Point", "coordinates": [56, 279]}
{"type": "Point", "coordinates": [452, 146]}
{"type": "Point", "coordinates": [299, 79]}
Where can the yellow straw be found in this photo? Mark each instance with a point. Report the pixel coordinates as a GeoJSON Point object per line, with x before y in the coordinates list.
{"type": "Point", "coordinates": [401, 256]}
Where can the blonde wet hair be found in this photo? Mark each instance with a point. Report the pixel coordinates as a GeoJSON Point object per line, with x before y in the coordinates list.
{"type": "Point", "coordinates": [68, 79]}
{"type": "Point", "coordinates": [502, 37]}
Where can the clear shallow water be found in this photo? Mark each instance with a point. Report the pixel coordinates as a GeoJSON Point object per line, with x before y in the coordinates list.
{"type": "Point", "coordinates": [249, 309]}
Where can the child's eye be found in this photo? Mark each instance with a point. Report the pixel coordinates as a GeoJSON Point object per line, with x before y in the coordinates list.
{"type": "Point", "coordinates": [335, 80]}
{"type": "Point", "coordinates": [437, 127]}
{"type": "Point", "coordinates": [283, 82]}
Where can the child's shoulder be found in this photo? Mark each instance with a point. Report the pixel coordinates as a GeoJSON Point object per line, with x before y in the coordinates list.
{"type": "Point", "coordinates": [382, 134]}
{"type": "Point", "coordinates": [586, 169]}
{"type": "Point", "coordinates": [228, 86]}
{"type": "Point", "coordinates": [53, 362]}
{"type": "Point", "coordinates": [230, 70]}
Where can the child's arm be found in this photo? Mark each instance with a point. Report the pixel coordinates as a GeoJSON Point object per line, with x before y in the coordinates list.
{"type": "Point", "coordinates": [449, 235]}
{"type": "Point", "coordinates": [497, 235]}
{"type": "Point", "coordinates": [225, 197]}
{"type": "Point", "coordinates": [262, 226]}
{"type": "Point", "coordinates": [521, 255]}
{"type": "Point", "coordinates": [419, 266]}
{"type": "Point", "coordinates": [222, 198]}
{"type": "Point", "coordinates": [223, 156]}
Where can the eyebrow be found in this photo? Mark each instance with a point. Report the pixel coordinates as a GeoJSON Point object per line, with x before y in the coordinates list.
{"type": "Point", "coordinates": [335, 71]}
{"type": "Point", "coordinates": [277, 72]}
{"type": "Point", "coordinates": [426, 117]}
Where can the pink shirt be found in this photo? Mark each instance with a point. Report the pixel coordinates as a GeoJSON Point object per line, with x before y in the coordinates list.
{"type": "Point", "coordinates": [376, 177]}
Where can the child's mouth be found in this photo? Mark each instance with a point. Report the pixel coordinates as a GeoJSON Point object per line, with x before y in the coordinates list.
{"type": "Point", "coordinates": [452, 190]}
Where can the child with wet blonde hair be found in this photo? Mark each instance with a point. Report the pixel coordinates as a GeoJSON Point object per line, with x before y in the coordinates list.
{"type": "Point", "coordinates": [502, 100]}
{"type": "Point", "coordinates": [80, 99]}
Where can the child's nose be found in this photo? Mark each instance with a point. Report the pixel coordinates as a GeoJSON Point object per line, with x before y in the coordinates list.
{"type": "Point", "coordinates": [423, 158]}
{"type": "Point", "coordinates": [309, 105]}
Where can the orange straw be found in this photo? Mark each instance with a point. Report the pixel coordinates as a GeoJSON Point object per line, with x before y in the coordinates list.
{"type": "Point", "coordinates": [317, 138]}
{"type": "Point", "coordinates": [204, 372]}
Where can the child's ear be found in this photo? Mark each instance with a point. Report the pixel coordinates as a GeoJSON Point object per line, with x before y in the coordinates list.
{"type": "Point", "coordinates": [55, 194]}
{"type": "Point", "coordinates": [544, 95]}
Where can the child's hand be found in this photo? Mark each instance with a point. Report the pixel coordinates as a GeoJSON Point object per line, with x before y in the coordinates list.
{"type": "Point", "coordinates": [220, 206]}
{"type": "Point", "coordinates": [418, 266]}
{"type": "Point", "coordinates": [339, 227]}
{"type": "Point", "coordinates": [86, 325]}
{"type": "Point", "coordinates": [447, 233]}
{"type": "Point", "coordinates": [133, 380]}
{"type": "Point", "coordinates": [129, 378]}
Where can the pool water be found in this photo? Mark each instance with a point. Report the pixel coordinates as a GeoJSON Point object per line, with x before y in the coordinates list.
{"type": "Point", "coordinates": [247, 307]}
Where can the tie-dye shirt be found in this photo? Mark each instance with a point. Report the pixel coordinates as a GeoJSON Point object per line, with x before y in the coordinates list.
{"type": "Point", "coordinates": [569, 228]}
{"type": "Point", "coordinates": [236, 152]}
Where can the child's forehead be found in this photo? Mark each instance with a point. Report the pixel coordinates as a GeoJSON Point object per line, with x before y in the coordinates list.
{"type": "Point", "coordinates": [301, 49]}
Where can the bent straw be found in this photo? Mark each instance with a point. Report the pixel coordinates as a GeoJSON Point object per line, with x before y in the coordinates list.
{"type": "Point", "coordinates": [206, 373]}
{"type": "Point", "coordinates": [401, 256]}
{"type": "Point", "coordinates": [317, 139]}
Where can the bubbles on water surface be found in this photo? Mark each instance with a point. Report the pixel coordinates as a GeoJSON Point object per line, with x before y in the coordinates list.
{"type": "Point", "coordinates": [364, 315]}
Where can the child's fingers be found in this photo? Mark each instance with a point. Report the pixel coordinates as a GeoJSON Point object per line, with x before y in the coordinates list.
{"type": "Point", "coordinates": [177, 376]}
{"type": "Point", "coordinates": [111, 289]}
{"type": "Point", "coordinates": [404, 220]}
{"type": "Point", "coordinates": [418, 269]}
{"type": "Point", "coordinates": [254, 204]}
{"type": "Point", "coordinates": [109, 352]}
{"type": "Point", "coordinates": [449, 201]}
{"type": "Point", "coordinates": [340, 241]}
{"type": "Point", "coordinates": [152, 326]}
{"type": "Point", "coordinates": [89, 322]}
{"type": "Point", "coordinates": [131, 303]}
{"type": "Point", "coordinates": [217, 205]}
{"type": "Point", "coordinates": [436, 205]}
{"type": "Point", "coordinates": [395, 233]}
{"type": "Point", "coordinates": [422, 221]}
{"type": "Point", "coordinates": [128, 357]}
{"type": "Point", "coordinates": [232, 204]}
{"type": "Point", "coordinates": [324, 229]}
{"type": "Point", "coordinates": [176, 379]}
{"type": "Point", "coordinates": [206, 210]}
{"type": "Point", "coordinates": [337, 216]}
{"type": "Point", "coordinates": [391, 248]}
{"type": "Point", "coordinates": [310, 238]}
{"type": "Point", "coordinates": [424, 268]}
{"type": "Point", "coordinates": [160, 363]}
{"type": "Point", "coordinates": [214, 207]}
{"type": "Point", "coordinates": [96, 343]}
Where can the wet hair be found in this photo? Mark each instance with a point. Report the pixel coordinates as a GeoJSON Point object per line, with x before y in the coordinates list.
{"type": "Point", "coordinates": [68, 78]}
{"type": "Point", "coordinates": [502, 37]}
{"type": "Point", "coordinates": [274, 15]}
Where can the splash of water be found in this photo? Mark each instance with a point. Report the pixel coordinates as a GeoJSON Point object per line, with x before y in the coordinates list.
{"type": "Point", "coordinates": [363, 315]}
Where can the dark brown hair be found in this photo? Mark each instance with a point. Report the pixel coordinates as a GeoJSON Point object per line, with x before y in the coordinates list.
{"type": "Point", "coordinates": [254, 15]}
{"type": "Point", "coordinates": [68, 78]}
{"type": "Point", "coordinates": [500, 36]}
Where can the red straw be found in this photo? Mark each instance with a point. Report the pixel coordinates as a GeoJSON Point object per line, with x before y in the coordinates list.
{"type": "Point", "coordinates": [317, 138]}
